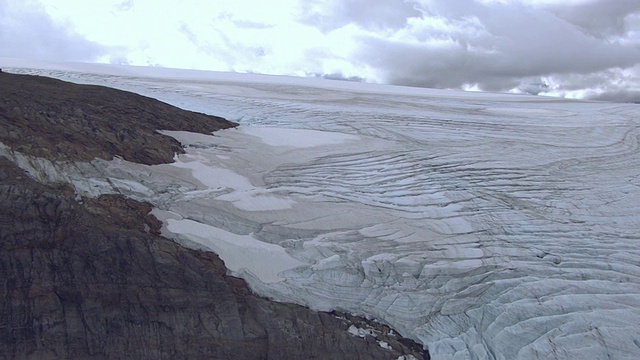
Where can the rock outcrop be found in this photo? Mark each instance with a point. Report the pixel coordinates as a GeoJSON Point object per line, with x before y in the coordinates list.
{"type": "Point", "coordinates": [57, 120]}
{"type": "Point", "coordinates": [92, 277]}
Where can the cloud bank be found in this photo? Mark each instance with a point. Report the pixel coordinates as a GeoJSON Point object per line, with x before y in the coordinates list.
{"type": "Point", "coordinates": [573, 48]}
{"type": "Point", "coordinates": [515, 47]}
{"type": "Point", "coordinates": [27, 31]}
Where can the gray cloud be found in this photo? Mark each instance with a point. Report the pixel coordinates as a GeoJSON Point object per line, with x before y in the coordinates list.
{"type": "Point", "coordinates": [27, 31]}
{"type": "Point", "coordinates": [376, 15]}
{"type": "Point", "coordinates": [599, 18]}
{"type": "Point", "coordinates": [498, 46]}
{"type": "Point", "coordinates": [616, 84]}
{"type": "Point", "coordinates": [619, 95]}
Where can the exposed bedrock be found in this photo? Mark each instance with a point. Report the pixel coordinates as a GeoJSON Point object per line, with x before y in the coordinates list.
{"type": "Point", "coordinates": [57, 120]}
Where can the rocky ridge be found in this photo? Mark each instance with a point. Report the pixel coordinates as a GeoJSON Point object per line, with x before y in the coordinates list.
{"type": "Point", "coordinates": [92, 277]}
{"type": "Point", "coordinates": [56, 120]}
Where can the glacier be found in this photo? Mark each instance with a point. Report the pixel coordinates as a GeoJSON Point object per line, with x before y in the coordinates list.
{"type": "Point", "coordinates": [485, 226]}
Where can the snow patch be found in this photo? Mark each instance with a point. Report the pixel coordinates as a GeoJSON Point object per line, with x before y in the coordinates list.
{"type": "Point", "coordinates": [243, 194]}
{"type": "Point", "coordinates": [239, 252]}
{"type": "Point", "coordinates": [361, 332]}
{"type": "Point", "coordinates": [298, 138]}
{"type": "Point", "coordinates": [407, 357]}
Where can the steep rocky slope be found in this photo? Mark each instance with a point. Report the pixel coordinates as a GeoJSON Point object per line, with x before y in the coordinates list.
{"type": "Point", "coordinates": [91, 278]}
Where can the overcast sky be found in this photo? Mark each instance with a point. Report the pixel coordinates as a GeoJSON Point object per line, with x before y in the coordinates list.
{"type": "Point", "coordinates": [575, 48]}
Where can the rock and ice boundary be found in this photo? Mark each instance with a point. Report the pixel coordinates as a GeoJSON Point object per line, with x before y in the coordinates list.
{"type": "Point", "coordinates": [483, 225]}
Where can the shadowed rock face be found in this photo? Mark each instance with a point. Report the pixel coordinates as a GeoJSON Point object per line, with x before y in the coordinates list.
{"type": "Point", "coordinates": [92, 278]}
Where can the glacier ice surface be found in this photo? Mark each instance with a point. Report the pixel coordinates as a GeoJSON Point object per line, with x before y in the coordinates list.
{"type": "Point", "coordinates": [486, 226]}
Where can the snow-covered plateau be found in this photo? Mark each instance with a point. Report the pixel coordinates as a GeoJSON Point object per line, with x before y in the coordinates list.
{"type": "Point", "coordinates": [485, 226]}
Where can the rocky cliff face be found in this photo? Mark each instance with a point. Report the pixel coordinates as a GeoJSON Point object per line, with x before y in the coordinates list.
{"type": "Point", "coordinates": [92, 277]}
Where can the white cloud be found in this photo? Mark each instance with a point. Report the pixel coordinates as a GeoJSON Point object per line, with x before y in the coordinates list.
{"type": "Point", "coordinates": [26, 31]}
{"type": "Point", "coordinates": [239, 35]}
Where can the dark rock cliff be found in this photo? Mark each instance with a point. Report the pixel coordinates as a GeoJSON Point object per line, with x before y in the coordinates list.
{"type": "Point", "coordinates": [92, 278]}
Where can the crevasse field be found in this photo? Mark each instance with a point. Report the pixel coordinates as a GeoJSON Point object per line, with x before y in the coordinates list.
{"type": "Point", "coordinates": [485, 226]}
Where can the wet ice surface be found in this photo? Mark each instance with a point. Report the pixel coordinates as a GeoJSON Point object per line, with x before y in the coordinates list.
{"type": "Point", "coordinates": [483, 225]}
